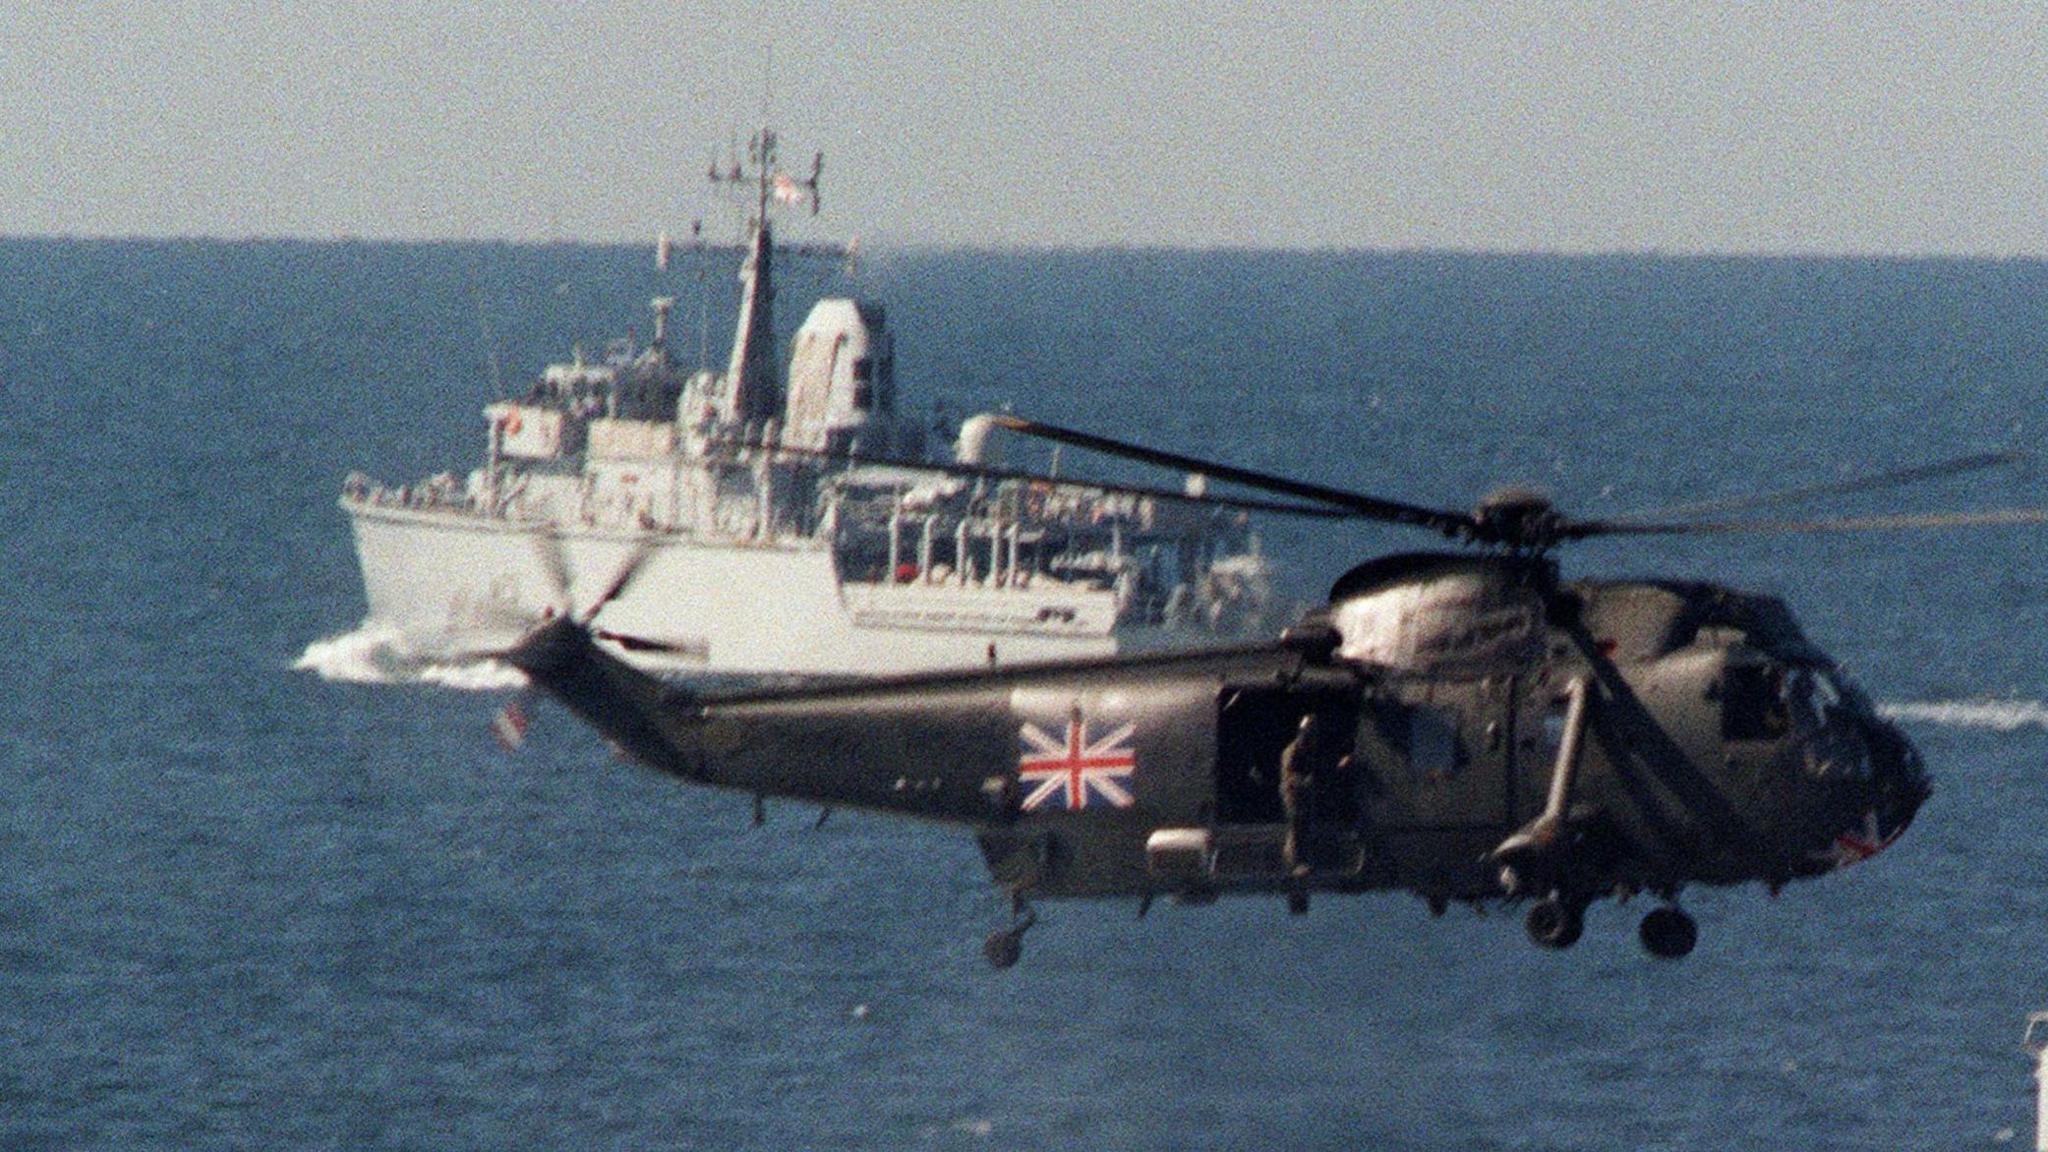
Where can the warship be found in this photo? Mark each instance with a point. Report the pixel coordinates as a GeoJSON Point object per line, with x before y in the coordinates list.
{"type": "Point", "coordinates": [787, 527]}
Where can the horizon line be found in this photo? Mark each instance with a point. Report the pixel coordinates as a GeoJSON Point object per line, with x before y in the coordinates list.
{"type": "Point", "coordinates": [1074, 247]}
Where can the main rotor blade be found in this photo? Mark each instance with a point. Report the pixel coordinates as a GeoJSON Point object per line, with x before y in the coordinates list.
{"type": "Point", "coordinates": [985, 472]}
{"type": "Point", "coordinates": [1355, 503]}
{"type": "Point", "coordinates": [1876, 482]}
{"type": "Point", "coordinates": [1586, 529]}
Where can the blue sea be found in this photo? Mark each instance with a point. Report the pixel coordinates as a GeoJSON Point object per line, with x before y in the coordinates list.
{"type": "Point", "coordinates": [248, 903]}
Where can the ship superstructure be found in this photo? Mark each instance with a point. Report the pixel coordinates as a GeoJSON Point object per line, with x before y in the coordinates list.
{"type": "Point", "coordinates": [787, 527]}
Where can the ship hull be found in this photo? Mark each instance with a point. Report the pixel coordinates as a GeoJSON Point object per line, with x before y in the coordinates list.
{"type": "Point", "coordinates": [717, 607]}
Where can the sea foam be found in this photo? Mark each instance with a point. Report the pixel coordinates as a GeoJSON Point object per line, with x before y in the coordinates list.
{"type": "Point", "coordinates": [382, 654]}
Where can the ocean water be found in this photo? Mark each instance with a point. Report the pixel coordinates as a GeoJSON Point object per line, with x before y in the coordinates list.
{"type": "Point", "coordinates": [246, 904]}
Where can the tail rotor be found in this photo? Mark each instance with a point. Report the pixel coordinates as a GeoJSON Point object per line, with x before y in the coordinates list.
{"type": "Point", "coordinates": [636, 561]}
{"type": "Point", "coordinates": [509, 726]}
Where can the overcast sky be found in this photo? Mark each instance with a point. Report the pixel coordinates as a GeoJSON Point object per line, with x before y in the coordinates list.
{"type": "Point", "coordinates": [1580, 126]}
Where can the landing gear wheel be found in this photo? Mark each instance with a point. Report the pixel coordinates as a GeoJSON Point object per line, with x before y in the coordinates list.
{"type": "Point", "coordinates": [1003, 947]}
{"type": "Point", "coordinates": [1669, 933]}
{"type": "Point", "coordinates": [1555, 923]}
{"type": "Point", "coordinates": [1297, 903]}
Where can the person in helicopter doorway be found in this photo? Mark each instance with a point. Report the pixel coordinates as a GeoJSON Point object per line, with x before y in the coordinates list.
{"type": "Point", "coordinates": [1297, 776]}
{"type": "Point", "coordinates": [1316, 801]}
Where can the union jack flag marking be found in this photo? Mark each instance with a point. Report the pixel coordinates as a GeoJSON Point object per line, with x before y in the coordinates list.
{"type": "Point", "coordinates": [1065, 771]}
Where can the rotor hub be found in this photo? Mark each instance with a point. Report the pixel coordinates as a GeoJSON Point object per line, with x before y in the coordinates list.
{"type": "Point", "coordinates": [1519, 518]}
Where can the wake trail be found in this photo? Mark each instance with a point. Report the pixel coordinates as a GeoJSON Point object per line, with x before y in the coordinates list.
{"type": "Point", "coordinates": [382, 654]}
{"type": "Point", "coordinates": [1996, 715]}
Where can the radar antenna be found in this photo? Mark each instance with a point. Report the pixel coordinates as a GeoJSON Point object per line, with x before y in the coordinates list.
{"type": "Point", "coordinates": [763, 177]}
{"type": "Point", "coordinates": [751, 393]}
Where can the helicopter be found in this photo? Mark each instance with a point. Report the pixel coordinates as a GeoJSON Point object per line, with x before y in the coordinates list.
{"type": "Point", "coordinates": [1466, 725]}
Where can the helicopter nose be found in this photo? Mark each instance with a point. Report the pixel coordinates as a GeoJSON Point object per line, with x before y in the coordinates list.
{"type": "Point", "coordinates": [1884, 797]}
{"type": "Point", "coordinates": [1898, 772]}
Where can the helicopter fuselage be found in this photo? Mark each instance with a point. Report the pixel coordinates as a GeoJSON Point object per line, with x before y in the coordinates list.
{"type": "Point", "coordinates": [1465, 728]}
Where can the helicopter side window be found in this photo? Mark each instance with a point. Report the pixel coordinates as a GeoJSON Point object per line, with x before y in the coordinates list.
{"type": "Point", "coordinates": [1435, 753]}
{"type": "Point", "coordinates": [1753, 705]}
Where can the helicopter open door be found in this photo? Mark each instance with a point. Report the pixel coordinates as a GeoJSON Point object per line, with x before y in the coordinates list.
{"type": "Point", "coordinates": [1256, 727]}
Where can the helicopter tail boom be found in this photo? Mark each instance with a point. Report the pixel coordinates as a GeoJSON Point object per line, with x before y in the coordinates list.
{"type": "Point", "coordinates": [941, 755]}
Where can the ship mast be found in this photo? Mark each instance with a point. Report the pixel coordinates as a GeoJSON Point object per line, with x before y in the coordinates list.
{"type": "Point", "coordinates": [751, 394]}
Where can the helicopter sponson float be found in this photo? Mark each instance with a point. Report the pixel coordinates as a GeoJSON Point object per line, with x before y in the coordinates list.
{"type": "Point", "coordinates": [1468, 727]}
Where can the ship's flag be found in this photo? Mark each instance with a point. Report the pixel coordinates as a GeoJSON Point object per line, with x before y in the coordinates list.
{"type": "Point", "coordinates": [509, 726]}
{"type": "Point", "coordinates": [787, 190]}
{"type": "Point", "coordinates": [1070, 770]}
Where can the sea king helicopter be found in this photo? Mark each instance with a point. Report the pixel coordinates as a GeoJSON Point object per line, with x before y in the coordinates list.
{"type": "Point", "coordinates": [1467, 725]}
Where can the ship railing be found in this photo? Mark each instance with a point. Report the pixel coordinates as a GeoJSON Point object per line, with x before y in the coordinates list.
{"type": "Point", "coordinates": [438, 493]}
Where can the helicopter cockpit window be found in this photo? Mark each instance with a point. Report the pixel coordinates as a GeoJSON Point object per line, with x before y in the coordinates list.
{"type": "Point", "coordinates": [1810, 695]}
{"type": "Point", "coordinates": [1753, 707]}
